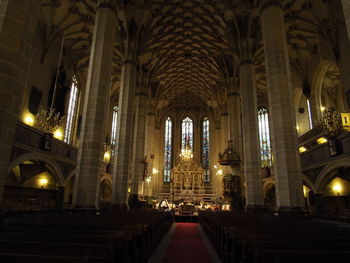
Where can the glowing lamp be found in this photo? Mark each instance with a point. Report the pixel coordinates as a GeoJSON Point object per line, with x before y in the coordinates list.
{"type": "Point", "coordinates": [215, 166]}
{"type": "Point", "coordinates": [58, 134]}
{"type": "Point", "coordinates": [323, 108]}
{"type": "Point", "coordinates": [154, 171]}
{"type": "Point", "coordinates": [345, 118]}
{"type": "Point", "coordinates": [107, 157]}
{"type": "Point", "coordinates": [43, 182]}
{"type": "Point", "coordinates": [219, 172]}
{"type": "Point", "coordinates": [302, 149]}
{"type": "Point", "coordinates": [337, 188]}
{"type": "Point", "coordinates": [29, 119]}
{"type": "Point", "coordinates": [148, 179]}
{"type": "Point", "coordinates": [322, 140]}
{"type": "Point", "coordinates": [305, 190]}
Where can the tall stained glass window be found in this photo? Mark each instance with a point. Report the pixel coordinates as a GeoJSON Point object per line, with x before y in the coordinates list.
{"type": "Point", "coordinates": [72, 108]}
{"type": "Point", "coordinates": [187, 133]}
{"type": "Point", "coordinates": [167, 149]}
{"type": "Point", "coordinates": [205, 148]}
{"type": "Point", "coordinates": [309, 113]}
{"type": "Point", "coordinates": [264, 138]}
{"type": "Point", "coordinates": [114, 125]}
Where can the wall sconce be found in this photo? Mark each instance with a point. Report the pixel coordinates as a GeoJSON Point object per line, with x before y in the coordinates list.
{"type": "Point", "coordinates": [107, 157]}
{"type": "Point", "coordinates": [323, 108]}
{"type": "Point", "coordinates": [154, 171]}
{"type": "Point", "coordinates": [345, 117]}
{"type": "Point", "coordinates": [148, 179]}
{"type": "Point", "coordinates": [43, 182]}
{"type": "Point", "coordinates": [215, 166]}
{"type": "Point", "coordinates": [302, 149]}
{"type": "Point", "coordinates": [322, 140]}
{"type": "Point", "coordinates": [58, 134]}
{"type": "Point", "coordinates": [29, 119]}
{"type": "Point", "coordinates": [219, 172]}
{"type": "Point", "coordinates": [337, 188]}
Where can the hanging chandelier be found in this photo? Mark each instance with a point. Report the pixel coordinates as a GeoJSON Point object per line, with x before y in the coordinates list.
{"type": "Point", "coordinates": [186, 153]}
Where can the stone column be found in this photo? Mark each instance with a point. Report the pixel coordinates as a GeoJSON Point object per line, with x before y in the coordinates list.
{"type": "Point", "coordinates": [18, 21]}
{"type": "Point", "coordinates": [157, 179]}
{"type": "Point", "coordinates": [289, 191]}
{"type": "Point", "coordinates": [234, 115]}
{"type": "Point", "coordinates": [138, 152]}
{"type": "Point", "coordinates": [254, 193]}
{"type": "Point", "coordinates": [224, 125]}
{"type": "Point", "coordinates": [125, 123]}
{"type": "Point", "coordinates": [149, 150]}
{"type": "Point", "coordinates": [95, 109]}
{"type": "Point", "coordinates": [346, 9]}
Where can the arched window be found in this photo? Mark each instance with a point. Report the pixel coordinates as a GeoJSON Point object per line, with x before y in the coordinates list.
{"type": "Point", "coordinates": [114, 125]}
{"type": "Point", "coordinates": [264, 137]}
{"type": "Point", "coordinates": [205, 148]}
{"type": "Point", "coordinates": [187, 133]}
{"type": "Point", "coordinates": [167, 149]}
{"type": "Point", "coordinates": [309, 113]}
{"type": "Point", "coordinates": [72, 108]}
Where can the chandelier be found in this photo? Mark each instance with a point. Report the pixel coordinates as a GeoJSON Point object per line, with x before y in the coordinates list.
{"type": "Point", "coordinates": [48, 121]}
{"type": "Point", "coordinates": [331, 122]}
{"type": "Point", "coordinates": [186, 153]}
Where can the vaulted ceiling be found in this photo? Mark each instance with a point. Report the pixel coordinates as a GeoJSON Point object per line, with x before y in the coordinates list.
{"type": "Point", "coordinates": [189, 48]}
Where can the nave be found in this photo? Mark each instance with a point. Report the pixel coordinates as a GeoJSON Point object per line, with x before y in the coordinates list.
{"type": "Point", "coordinates": [147, 236]}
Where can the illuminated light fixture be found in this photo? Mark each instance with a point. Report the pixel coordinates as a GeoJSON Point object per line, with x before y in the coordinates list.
{"type": "Point", "coordinates": [323, 108]}
{"type": "Point", "coordinates": [219, 172]}
{"type": "Point", "coordinates": [345, 118]}
{"type": "Point", "coordinates": [58, 134]}
{"type": "Point", "coordinates": [302, 149]}
{"type": "Point", "coordinates": [155, 171]}
{"type": "Point", "coordinates": [322, 140]}
{"type": "Point", "coordinates": [298, 128]}
{"type": "Point", "coordinates": [107, 153]}
{"type": "Point", "coordinates": [215, 166]}
{"type": "Point", "coordinates": [28, 119]}
{"type": "Point", "coordinates": [305, 190]}
{"type": "Point", "coordinates": [148, 179]}
{"type": "Point", "coordinates": [337, 188]}
{"type": "Point", "coordinates": [43, 182]}
{"type": "Point", "coordinates": [186, 154]}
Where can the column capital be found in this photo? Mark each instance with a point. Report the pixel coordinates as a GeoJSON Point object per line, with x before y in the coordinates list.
{"type": "Point", "coordinates": [129, 61]}
{"type": "Point", "coordinates": [141, 93]}
{"type": "Point", "coordinates": [265, 4]}
{"type": "Point", "coordinates": [233, 94]}
{"type": "Point", "coordinates": [110, 4]}
{"type": "Point", "coordinates": [245, 62]}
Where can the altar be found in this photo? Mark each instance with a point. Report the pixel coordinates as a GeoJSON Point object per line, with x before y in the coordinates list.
{"type": "Point", "coordinates": [187, 178]}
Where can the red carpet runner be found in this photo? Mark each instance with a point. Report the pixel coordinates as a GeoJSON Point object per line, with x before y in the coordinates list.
{"type": "Point", "coordinates": [186, 246]}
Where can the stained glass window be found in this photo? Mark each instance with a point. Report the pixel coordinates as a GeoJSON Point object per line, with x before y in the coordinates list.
{"type": "Point", "coordinates": [205, 149]}
{"type": "Point", "coordinates": [309, 113]}
{"type": "Point", "coordinates": [264, 138]}
{"type": "Point", "coordinates": [114, 125]}
{"type": "Point", "coordinates": [187, 133]}
{"type": "Point", "coordinates": [72, 107]}
{"type": "Point", "coordinates": [167, 149]}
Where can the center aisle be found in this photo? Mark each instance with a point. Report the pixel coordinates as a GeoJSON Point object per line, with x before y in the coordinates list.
{"type": "Point", "coordinates": [187, 246]}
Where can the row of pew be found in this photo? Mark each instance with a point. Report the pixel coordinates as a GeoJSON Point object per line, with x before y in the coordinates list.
{"type": "Point", "coordinates": [248, 238]}
{"type": "Point", "coordinates": [119, 236]}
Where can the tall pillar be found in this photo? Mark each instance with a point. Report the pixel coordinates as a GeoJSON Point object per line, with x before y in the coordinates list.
{"type": "Point", "coordinates": [254, 193]}
{"type": "Point", "coordinates": [125, 124]}
{"type": "Point", "coordinates": [18, 21]}
{"type": "Point", "coordinates": [224, 125]}
{"type": "Point", "coordinates": [346, 10]}
{"type": "Point", "coordinates": [289, 192]}
{"type": "Point", "coordinates": [234, 114]}
{"type": "Point", "coordinates": [149, 148]}
{"type": "Point", "coordinates": [138, 153]}
{"type": "Point", "coordinates": [95, 109]}
{"type": "Point", "coordinates": [157, 179]}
